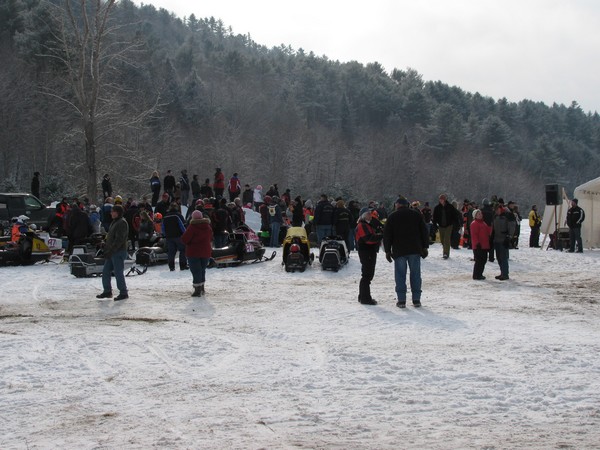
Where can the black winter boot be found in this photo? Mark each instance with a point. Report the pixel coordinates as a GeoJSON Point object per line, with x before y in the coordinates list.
{"type": "Point", "coordinates": [197, 290]}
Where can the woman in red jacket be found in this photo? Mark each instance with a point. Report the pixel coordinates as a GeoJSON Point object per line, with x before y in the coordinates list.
{"type": "Point", "coordinates": [198, 249]}
{"type": "Point", "coordinates": [480, 242]}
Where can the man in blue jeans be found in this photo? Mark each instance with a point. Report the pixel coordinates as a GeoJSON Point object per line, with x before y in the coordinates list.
{"type": "Point", "coordinates": [115, 253]}
{"type": "Point", "coordinates": [406, 240]}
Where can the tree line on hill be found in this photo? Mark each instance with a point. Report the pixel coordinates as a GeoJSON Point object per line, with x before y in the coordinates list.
{"type": "Point", "coordinates": [100, 86]}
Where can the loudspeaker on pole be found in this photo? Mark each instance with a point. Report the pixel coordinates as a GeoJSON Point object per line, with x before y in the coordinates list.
{"type": "Point", "coordinates": [552, 197]}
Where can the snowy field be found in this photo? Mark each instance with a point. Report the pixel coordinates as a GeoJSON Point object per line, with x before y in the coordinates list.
{"type": "Point", "coordinates": [276, 360]}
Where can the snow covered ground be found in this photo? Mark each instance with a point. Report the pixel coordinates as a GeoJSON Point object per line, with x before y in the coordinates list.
{"type": "Point", "coordinates": [270, 359]}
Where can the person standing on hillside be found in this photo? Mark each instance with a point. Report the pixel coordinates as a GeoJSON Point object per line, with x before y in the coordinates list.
{"type": "Point", "coordinates": [115, 253]}
{"type": "Point", "coordinates": [234, 187]}
{"type": "Point", "coordinates": [368, 237]}
{"type": "Point", "coordinates": [106, 187]}
{"type": "Point", "coordinates": [248, 197]}
{"type": "Point", "coordinates": [219, 183]}
{"type": "Point", "coordinates": [35, 185]}
{"type": "Point", "coordinates": [257, 197]}
{"type": "Point", "coordinates": [155, 187]}
{"type": "Point", "coordinates": [575, 217]}
{"type": "Point", "coordinates": [206, 190]}
{"type": "Point", "coordinates": [184, 183]}
{"type": "Point", "coordinates": [169, 185]}
{"type": "Point", "coordinates": [195, 185]}
{"type": "Point", "coordinates": [406, 240]}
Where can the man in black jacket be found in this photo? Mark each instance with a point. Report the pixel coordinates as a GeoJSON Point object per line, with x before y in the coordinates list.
{"type": "Point", "coordinates": [406, 240]}
{"type": "Point", "coordinates": [323, 218]}
{"type": "Point", "coordinates": [575, 216]}
{"type": "Point", "coordinates": [444, 217]}
{"type": "Point", "coordinates": [106, 186]}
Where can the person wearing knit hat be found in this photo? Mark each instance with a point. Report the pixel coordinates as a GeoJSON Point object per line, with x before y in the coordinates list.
{"type": "Point", "coordinates": [198, 250]}
{"type": "Point", "coordinates": [115, 253]}
{"type": "Point", "coordinates": [406, 240]}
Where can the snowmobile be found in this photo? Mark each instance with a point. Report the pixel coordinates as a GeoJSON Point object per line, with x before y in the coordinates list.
{"type": "Point", "coordinates": [296, 250]}
{"type": "Point", "coordinates": [88, 264]}
{"type": "Point", "coordinates": [333, 253]}
{"type": "Point", "coordinates": [29, 249]}
{"type": "Point", "coordinates": [243, 246]}
{"type": "Point", "coordinates": [151, 256]}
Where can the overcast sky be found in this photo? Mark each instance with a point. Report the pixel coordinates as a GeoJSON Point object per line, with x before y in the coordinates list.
{"type": "Point", "coordinates": [542, 50]}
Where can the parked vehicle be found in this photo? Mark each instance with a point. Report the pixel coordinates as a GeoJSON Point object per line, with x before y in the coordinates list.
{"type": "Point", "coordinates": [22, 204]}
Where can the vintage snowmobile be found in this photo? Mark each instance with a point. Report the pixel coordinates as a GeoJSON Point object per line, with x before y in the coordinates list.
{"type": "Point", "coordinates": [296, 250]}
{"type": "Point", "coordinates": [84, 263]}
{"type": "Point", "coordinates": [244, 246]}
{"type": "Point", "coordinates": [29, 249]}
{"type": "Point", "coordinates": [151, 256]}
{"type": "Point", "coordinates": [333, 253]}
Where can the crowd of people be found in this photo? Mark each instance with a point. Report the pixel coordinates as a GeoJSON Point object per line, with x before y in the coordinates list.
{"type": "Point", "coordinates": [489, 229]}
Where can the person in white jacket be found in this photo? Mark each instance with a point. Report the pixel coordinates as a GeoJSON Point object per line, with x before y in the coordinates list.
{"type": "Point", "coordinates": [258, 197]}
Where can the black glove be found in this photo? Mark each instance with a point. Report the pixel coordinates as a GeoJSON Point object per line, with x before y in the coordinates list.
{"type": "Point", "coordinates": [424, 253]}
{"type": "Point", "coordinates": [388, 256]}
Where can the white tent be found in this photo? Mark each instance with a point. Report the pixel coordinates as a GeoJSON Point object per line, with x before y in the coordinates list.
{"type": "Point", "coordinates": [551, 213]}
{"type": "Point", "coordinates": [588, 195]}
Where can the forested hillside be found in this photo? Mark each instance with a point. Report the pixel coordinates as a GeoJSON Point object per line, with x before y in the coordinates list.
{"type": "Point", "coordinates": [153, 91]}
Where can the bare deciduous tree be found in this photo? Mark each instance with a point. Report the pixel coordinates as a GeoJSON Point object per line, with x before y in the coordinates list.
{"type": "Point", "coordinates": [89, 49]}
